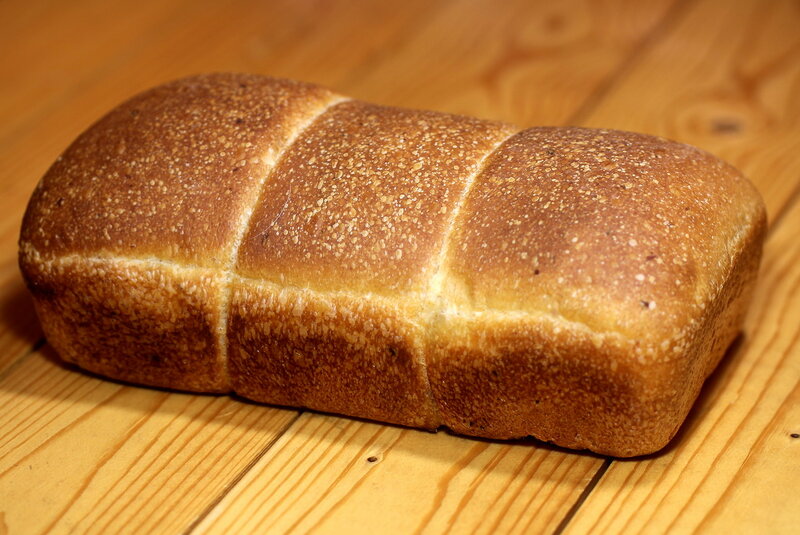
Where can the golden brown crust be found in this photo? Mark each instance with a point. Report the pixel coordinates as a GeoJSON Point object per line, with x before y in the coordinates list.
{"type": "Point", "coordinates": [501, 377]}
{"type": "Point", "coordinates": [361, 201]}
{"type": "Point", "coordinates": [510, 375]}
{"type": "Point", "coordinates": [142, 322]}
{"type": "Point", "coordinates": [620, 231]}
{"type": "Point", "coordinates": [169, 173]}
{"type": "Point", "coordinates": [599, 277]}
{"type": "Point", "coordinates": [335, 353]}
{"type": "Point", "coordinates": [571, 284]}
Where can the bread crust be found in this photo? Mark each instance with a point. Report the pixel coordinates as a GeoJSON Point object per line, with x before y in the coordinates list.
{"type": "Point", "coordinates": [143, 322]}
{"type": "Point", "coordinates": [332, 352]}
{"type": "Point", "coordinates": [362, 201]}
{"type": "Point", "coordinates": [236, 232]}
{"type": "Point", "coordinates": [512, 375]}
{"type": "Point", "coordinates": [170, 173]}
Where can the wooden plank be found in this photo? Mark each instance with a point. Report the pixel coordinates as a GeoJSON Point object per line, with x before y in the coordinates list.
{"type": "Point", "coordinates": [725, 79]}
{"type": "Point", "coordinates": [48, 49]}
{"type": "Point", "coordinates": [333, 475]}
{"type": "Point", "coordinates": [81, 454]}
{"type": "Point", "coordinates": [773, 461]}
{"type": "Point", "coordinates": [55, 52]}
{"type": "Point", "coordinates": [317, 476]}
{"type": "Point", "coordinates": [725, 474]}
{"type": "Point", "coordinates": [280, 38]}
{"type": "Point", "coordinates": [528, 63]}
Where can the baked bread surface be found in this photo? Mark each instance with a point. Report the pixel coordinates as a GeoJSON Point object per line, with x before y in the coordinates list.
{"type": "Point", "coordinates": [242, 233]}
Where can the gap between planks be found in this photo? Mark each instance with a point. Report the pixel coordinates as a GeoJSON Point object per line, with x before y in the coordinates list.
{"type": "Point", "coordinates": [670, 19]}
{"type": "Point", "coordinates": [238, 477]}
{"type": "Point", "coordinates": [587, 490]}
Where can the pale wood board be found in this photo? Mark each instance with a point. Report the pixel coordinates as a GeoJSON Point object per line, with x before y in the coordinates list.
{"type": "Point", "coordinates": [49, 52]}
{"type": "Point", "coordinates": [529, 63]}
{"type": "Point", "coordinates": [332, 475]}
{"type": "Point", "coordinates": [82, 454]}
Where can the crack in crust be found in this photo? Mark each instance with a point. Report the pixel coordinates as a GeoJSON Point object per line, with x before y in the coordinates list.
{"type": "Point", "coordinates": [434, 284]}
{"type": "Point", "coordinates": [244, 224]}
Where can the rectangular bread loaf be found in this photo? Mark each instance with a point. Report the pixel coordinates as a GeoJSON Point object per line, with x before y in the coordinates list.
{"type": "Point", "coordinates": [239, 233]}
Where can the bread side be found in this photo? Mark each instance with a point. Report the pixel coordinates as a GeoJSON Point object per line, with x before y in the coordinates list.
{"type": "Point", "coordinates": [347, 234]}
{"type": "Point", "coordinates": [334, 352]}
{"type": "Point", "coordinates": [511, 375]}
{"type": "Point", "coordinates": [144, 322]}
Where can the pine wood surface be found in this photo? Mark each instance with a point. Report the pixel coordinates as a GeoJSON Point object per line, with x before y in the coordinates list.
{"type": "Point", "coordinates": [83, 454]}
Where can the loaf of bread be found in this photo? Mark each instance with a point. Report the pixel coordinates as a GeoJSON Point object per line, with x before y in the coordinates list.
{"type": "Point", "coordinates": [239, 233]}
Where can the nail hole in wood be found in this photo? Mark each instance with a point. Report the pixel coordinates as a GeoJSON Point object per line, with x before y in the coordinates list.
{"type": "Point", "coordinates": [726, 126]}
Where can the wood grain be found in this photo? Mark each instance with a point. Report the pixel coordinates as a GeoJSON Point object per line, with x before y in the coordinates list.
{"type": "Point", "coordinates": [772, 459]}
{"type": "Point", "coordinates": [335, 475]}
{"type": "Point", "coordinates": [81, 454]}
{"type": "Point", "coordinates": [528, 63]}
{"type": "Point", "coordinates": [729, 87]}
{"type": "Point", "coordinates": [78, 453]}
{"type": "Point", "coordinates": [49, 51]}
{"type": "Point", "coordinates": [65, 54]}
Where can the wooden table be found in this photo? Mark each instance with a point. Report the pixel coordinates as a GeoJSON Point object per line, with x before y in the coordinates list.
{"type": "Point", "coordinates": [78, 453]}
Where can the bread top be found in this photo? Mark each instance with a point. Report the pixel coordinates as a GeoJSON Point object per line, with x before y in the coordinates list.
{"type": "Point", "coordinates": [618, 232]}
{"type": "Point", "coordinates": [172, 173]}
{"type": "Point", "coordinates": [612, 231]}
{"type": "Point", "coordinates": [364, 198]}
